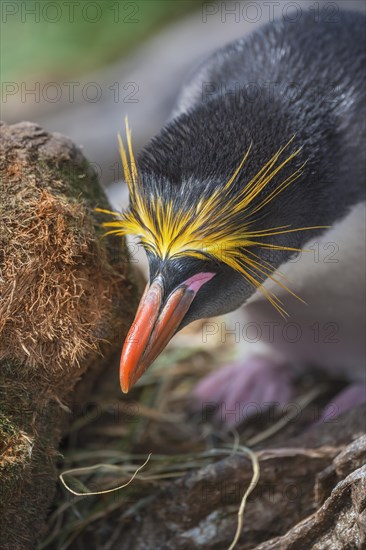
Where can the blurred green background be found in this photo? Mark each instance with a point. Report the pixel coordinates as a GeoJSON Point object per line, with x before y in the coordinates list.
{"type": "Point", "coordinates": [58, 40]}
{"type": "Point", "coordinates": [78, 67]}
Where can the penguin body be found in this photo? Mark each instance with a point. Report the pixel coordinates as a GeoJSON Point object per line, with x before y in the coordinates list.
{"type": "Point", "coordinates": [306, 78]}
{"type": "Point", "coordinates": [328, 331]}
{"type": "Point", "coordinates": [322, 67]}
{"type": "Point", "coordinates": [206, 137]}
{"type": "Point", "coordinates": [297, 87]}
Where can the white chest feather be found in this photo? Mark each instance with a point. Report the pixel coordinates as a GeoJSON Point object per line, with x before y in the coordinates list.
{"type": "Point", "coordinates": [329, 331]}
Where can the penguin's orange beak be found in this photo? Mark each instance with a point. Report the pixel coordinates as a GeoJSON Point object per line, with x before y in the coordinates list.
{"type": "Point", "coordinates": [155, 324]}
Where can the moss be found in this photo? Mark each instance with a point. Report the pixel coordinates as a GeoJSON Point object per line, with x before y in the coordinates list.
{"type": "Point", "coordinates": [7, 430]}
{"type": "Point", "coordinates": [67, 302]}
{"type": "Point", "coordinates": [54, 255]}
{"type": "Point", "coordinates": [15, 450]}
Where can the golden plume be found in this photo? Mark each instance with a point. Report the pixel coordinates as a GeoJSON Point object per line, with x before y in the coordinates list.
{"type": "Point", "coordinates": [207, 228]}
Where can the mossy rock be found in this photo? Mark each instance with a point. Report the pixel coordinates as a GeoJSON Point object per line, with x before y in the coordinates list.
{"type": "Point", "coordinates": [67, 299]}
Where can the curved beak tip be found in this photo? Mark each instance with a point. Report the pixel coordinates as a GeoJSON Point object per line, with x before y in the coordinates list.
{"type": "Point", "coordinates": [129, 367]}
{"type": "Point", "coordinates": [154, 326]}
{"type": "Point", "coordinates": [125, 386]}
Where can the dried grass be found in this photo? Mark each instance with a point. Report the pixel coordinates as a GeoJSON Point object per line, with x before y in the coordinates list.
{"type": "Point", "coordinates": [53, 293]}
{"type": "Point", "coordinates": [118, 434]}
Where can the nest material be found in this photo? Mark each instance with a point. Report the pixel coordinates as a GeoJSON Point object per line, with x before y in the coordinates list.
{"type": "Point", "coordinates": [188, 495]}
{"type": "Point", "coordinates": [66, 304]}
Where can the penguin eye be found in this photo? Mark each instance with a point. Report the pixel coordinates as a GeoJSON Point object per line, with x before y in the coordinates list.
{"type": "Point", "coordinates": [146, 246]}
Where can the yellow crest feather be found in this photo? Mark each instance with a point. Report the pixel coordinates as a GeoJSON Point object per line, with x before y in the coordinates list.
{"type": "Point", "coordinates": [193, 232]}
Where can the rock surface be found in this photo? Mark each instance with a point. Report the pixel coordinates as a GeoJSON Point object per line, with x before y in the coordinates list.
{"type": "Point", "coordinates": [67, 300]}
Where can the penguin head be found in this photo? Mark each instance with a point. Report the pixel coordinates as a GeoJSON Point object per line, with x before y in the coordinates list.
{"type": "Point", "coordinates": [180, 291]}
{"type": "Point", "coordinates": [216, 288]}
{"type": "Point", "coordinates": [208, 242]}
